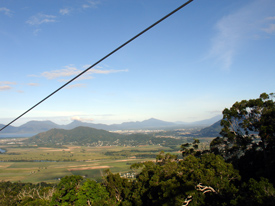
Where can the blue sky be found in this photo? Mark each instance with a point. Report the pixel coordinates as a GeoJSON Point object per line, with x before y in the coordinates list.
{"type": "Point", "coordinates": [190, 67]}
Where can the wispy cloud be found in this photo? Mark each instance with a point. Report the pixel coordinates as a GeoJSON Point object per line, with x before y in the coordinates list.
{"type": "Point", "coordinates": [236, 28]}
{"type": "Point", "coordinates": [41, 19]}
{"type": "Point", "coordinates": [90, 4]}
{"type": "Point", "coordinates": [5, 87]}
{"type": "Point", "coordinates": [36, 31]}
{"type": "Point", "coordinates": [100, 71]}
{"type": "Point", "coordinates": [270, 18]}
{"type": "Point", "coordinates": [270, 27]}
{"type": "Point", "coordinates": [70, 71]}
{"type": "Point", "coordinates": [6, 11]}
{"type": "Point", "coordinates": [76, 86]}
{"type": "Point", "coordinates": [7, 82]}
{"type": "Point", "coordinates": [67, 71]}
{"type": "Point", "coordinates": [64, 11]}
{"type": "Point", "coordinates": [33, 84]}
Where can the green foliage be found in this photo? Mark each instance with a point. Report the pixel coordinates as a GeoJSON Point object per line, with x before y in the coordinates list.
{"type": "Point", "coordinates": [248, 129]}
{"type": "Point", "coordinates": [170, 181]}
{"type": "Point", "coordinates": [36, 202]}
{"type": "Point", "coordinates": [66, 190]}
{"type": "Point", "coordinates": [77, 136]}
{"type": "Point", "coordinates": [25, 193]}
{"type": "Point", "coordinates": [95, 137]}
{"type": "Point", "coordinates": [92, 193]}
{"type": "Point", "coordinates": [203, 180]}
{"type": "Point", "coordinates": [118, 188]}
{"type": "Point", "coordinates": [257, 193]}
{"type": "Point", "coordinates": [163, 158]}
{"type": "Point", "coordinates": [191, 149]}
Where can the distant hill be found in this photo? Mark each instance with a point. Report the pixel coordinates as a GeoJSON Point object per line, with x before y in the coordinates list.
{"type": "Point", "coordinates": [9, 129]}
{"type": "Point", "coordinates": [95, 137]}
{"type": "Point", "coordinates": [146, 124]}
{"type": "Point", "coordinates": [37, 126]}
{"type": "Point", "coordinates": [205, 122]}
{"type": "Point", "coordinates": [76, 136]}
{"type": "Point", "coordinates": [211, 131]}
{"type": "Point", "coordinates": [77, 123]}
{"type": "Point", "coordinates": [208, 122]}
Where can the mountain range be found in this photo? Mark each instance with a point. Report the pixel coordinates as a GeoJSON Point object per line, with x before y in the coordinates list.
{"type": "Point", "coordinates": [34, 127]}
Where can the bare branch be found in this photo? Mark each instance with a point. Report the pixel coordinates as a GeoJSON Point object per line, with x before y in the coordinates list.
{"type": "Point", "coordinates": [187, 200]}
{"type": "Point", "coordinates": [205, 189]}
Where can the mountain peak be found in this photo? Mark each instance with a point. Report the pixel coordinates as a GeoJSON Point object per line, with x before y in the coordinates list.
{"type": "Point", "coordinates": [152, 119]}
{"type": "Point", "coordinates": [76, 121]}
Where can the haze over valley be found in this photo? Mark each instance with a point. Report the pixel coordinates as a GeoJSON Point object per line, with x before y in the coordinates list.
{"type": "Point", "coordinates": [34, 127]}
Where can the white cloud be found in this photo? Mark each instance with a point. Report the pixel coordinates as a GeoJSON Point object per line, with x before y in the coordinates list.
{"type": "Point", "coordinates": [6, 11]}
{"type": "Point", "coordinates": [7, 83]}
{"type": "Point", "coordinates": [270, 18]}
{"type": "Point", "coordinates": [90, 4]}
{"type": "Point", "coordinates": [82, 119]}
{"type": "Point", "coordinates": [36, 31]}
{"type": "Point", "coordinates": [238, 27]}
{"type": "Point", "coordinates": [76, 86]}
{"type": "Point", "coordinates": [65, 11]}
{"type": "Point", "coordinates": [100, 71]}
{"type": "Point", "coordinates": [270, 29]}
{"type": "Point", "coordinates": [68, 71]}
{"type": "Point", "coordinates": [33, 84]}
{"type": "Point", "coordinates": [41, 19]}
{"type": "Point", "coordinates": [73, 71]}
{"type": "Point", "coordinates": [83, 77]}
{"type": "Point", "coordinates": [229, 33]}
{"type": "Point", "coordinates": [5, 87]}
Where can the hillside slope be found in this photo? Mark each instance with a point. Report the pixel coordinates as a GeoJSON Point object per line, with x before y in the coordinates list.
{"type": "Point", "coordinates": [77, 136]}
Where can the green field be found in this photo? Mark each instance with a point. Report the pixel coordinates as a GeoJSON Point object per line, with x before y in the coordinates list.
{"type": "Point", "coordinates": [44, 164]}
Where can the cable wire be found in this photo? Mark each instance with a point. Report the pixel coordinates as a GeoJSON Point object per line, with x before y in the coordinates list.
{"type": "Point", "coordinates": [118, 48]}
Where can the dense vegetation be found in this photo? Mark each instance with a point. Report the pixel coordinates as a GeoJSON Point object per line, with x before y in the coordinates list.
{"type": "Point", "coordinates": [248, 137]}
{"type": "Point", "coordinates": [95, 137]}
{"type": "Point", "coordinates": [77, 136]}
{"type": "Point", "coordinates": [238, 170]}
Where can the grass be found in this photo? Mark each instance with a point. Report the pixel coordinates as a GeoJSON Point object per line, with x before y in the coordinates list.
{"type": "Point", "coordinates": [44, 164]}
{"type": "Point", "coordinates": [41, 164]}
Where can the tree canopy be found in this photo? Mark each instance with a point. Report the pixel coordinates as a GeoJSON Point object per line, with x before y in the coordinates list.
{"type": "Point", "coordinates": [248, 135]}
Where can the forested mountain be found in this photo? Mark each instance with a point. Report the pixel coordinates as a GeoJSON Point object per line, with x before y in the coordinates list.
{"type": "Point", "coordinates": [211, 131]}
{"type": "Point", "coordinates": [77, 136]}
{"type": "Point", "coordinates": [95, 137]}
